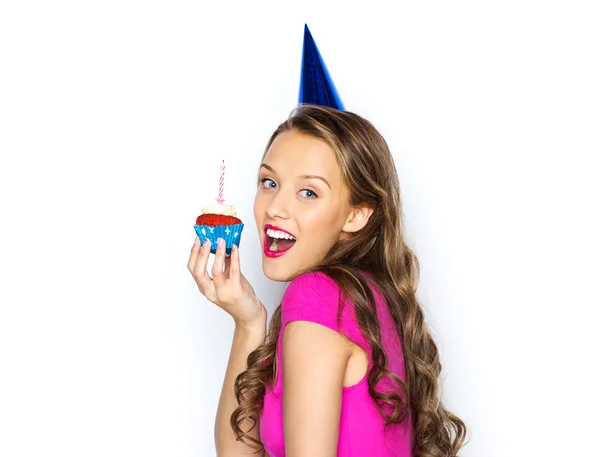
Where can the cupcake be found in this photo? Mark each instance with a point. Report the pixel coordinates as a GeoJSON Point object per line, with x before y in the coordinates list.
{"type": "Point", "coordinates": [219, 221]}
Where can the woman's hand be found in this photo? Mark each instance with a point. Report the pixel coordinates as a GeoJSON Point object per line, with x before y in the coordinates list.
{"type": "Point", "coordinates": [228, 288]}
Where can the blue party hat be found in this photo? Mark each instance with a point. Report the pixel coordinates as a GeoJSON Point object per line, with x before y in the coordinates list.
{"type": "Point", "coordinates": [316, 86]}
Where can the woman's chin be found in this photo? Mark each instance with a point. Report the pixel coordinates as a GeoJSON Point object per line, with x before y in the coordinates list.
{"type": "Point", "coordinates": [274, 273]}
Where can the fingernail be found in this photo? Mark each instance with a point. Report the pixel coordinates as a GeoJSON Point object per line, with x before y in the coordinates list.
{"type": "Point", "coordinates": [220, 242]}
{"type": "Point", "coordinates": [196, 241]}
{"type": "Point", "coordinates": [206, 243]}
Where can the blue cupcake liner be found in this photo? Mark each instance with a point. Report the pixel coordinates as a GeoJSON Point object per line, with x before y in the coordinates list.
{"type": "Point", "coordinates": [230, 233]}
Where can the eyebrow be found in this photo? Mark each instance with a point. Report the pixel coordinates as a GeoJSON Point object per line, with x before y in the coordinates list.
{"type": "Point", "coordinates": [301, 176]}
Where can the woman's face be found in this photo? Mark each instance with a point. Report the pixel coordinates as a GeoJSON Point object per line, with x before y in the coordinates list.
{"type": "Point", "coordinates": [301, 197]}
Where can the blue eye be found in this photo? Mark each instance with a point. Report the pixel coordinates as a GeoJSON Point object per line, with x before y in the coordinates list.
{"type": "Point", "coordinates": [311, 192]}
{"type": "Point", "coordinates": [303, 190]}
{"type": "Point", "coordinates": [267, 179]}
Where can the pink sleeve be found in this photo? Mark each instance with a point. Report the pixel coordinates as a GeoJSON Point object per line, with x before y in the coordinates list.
{"type": "Point", "coordinates": [314, 297]}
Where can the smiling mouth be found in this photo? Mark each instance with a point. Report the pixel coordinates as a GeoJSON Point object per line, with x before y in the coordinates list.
{"type": "Point", "coordinates": [279, 244]}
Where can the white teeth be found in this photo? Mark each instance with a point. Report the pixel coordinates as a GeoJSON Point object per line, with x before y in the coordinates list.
{"type": "Point", "coordinates": [279, 234]}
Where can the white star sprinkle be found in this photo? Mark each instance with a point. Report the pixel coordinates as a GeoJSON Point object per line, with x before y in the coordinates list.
{"type": "Point", "coordinates": [235, 234]}
{"type": "Point", "coordinates": [227, 231]}
{"type": "Point", "coordinates": [203, 232]}
{"type": "Point", "coordinates": [212, 229]}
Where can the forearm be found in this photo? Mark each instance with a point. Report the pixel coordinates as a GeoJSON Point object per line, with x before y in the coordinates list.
{"type": "Point", "coordinates": [245, 340]}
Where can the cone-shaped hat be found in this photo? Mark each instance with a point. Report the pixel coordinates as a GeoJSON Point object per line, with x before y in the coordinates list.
{"type": "Point", "coordinates": [316, 86]}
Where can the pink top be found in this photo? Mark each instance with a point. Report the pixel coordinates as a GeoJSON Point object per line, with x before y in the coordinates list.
{"type": "Point", "coordinates": [314, 297]}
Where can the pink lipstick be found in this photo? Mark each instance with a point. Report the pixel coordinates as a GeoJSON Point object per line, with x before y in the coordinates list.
{"type": "Point", "coordinates": [276, 253]}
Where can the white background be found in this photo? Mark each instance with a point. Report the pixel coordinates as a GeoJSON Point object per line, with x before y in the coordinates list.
{"type": "Point", "coordinates": [114, 117]}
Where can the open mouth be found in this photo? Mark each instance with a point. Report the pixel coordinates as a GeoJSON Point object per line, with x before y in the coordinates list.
{"type": "Point", "coordinates": [277, 241]}
{"type": "Point", "coordinates": [279, 244]}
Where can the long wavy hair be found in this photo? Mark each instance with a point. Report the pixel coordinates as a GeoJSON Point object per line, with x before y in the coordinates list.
{"type": "Point", "coordinates": [377, 253]}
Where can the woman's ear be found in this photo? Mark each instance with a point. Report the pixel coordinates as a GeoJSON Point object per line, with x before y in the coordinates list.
{"type": "Point", "coordinates": [357, 219]}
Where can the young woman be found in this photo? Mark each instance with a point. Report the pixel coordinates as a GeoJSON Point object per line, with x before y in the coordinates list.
{"type": "Point", "coordinates": [348, 367]}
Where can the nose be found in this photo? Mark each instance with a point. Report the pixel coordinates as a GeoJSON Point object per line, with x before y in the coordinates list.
{"type": "Point", "coordinates": [278, 207]}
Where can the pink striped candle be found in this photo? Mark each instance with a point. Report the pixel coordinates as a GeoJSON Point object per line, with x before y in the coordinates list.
{"type": "Point", "coordinates": [221, 184]}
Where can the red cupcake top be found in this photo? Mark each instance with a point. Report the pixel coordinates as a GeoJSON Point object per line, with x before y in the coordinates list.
{"type": "Point", "coordinates": [217, 219]}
